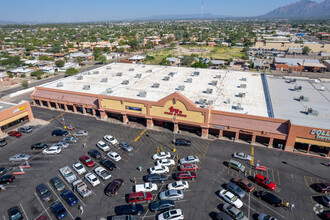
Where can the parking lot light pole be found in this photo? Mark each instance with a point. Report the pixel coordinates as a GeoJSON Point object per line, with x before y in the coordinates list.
{"type": "Point", "coordinates": [174, 129]}
{"type": "Point", "coordinates": [61, 114]}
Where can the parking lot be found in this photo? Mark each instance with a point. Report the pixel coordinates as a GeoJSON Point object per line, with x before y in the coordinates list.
{"type": "Point", "coordinates": [292, 173]}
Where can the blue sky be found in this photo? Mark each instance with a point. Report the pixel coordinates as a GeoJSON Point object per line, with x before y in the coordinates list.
{"type": "Point", "coordinates": [100, 10]}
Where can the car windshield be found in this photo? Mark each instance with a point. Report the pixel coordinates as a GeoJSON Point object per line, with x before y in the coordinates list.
{"type": "Point", "coordinates": [167, 193]}
{"type": "Point", "coordinates": [240, 215]}
{"type": "Point", "coordinates": [111, 139]}
{"type": "Point", "coordinates": [44, 192]}
{"type": "Point", "coordinates": [267, 182]}
{"type": "Point", "coordinates": [234, 199]}
{"type": "Point", "coordinates": [79, 166]}
{"type": "Point", "coordinates": [56, 182]}
{"type": "Point", "coordinates": [16, 216]}
{"type": "Point", "coordinates": [249, 185]}
{"type": "Point", "coordinates": [94, 179]}
{"type": "Point", "coordinates": [166, 215]}
{"type": "Point", "coordinates": [88, 160]}
{"type": "Point", "coordinates": [175, 184]}
{"type": "Point", "coordinates": [238, 189]}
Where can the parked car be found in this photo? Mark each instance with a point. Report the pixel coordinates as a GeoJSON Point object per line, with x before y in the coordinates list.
{"type": "Point", "coordinates": [39, 146]}
{"type": "Point", "coordinates": [69, 197]}
{"type": "Point", "coordinates": [181, 142]}
{"type": "Point", "coordinates": [57, 183]}
{"type": "Point", "coordinates": [125, 146]}
{"type": "Point", "coordinates": [322, 187]}
{"type": "Point", "coordinates": [270, 198]}
{"type": "Point", "coordinates": [165, 162]}
{"type": "Point", "coordinates": [244, 184]}
{"type": "Point", "coordinates": [52, 150]}
{"type": "Point", "coordinates": [79, 168]}
{"type": "Point", "coordinates": [188, 167]}
{"type": "Point", "coordinates": [19, 158]}
{"type": "Point", "coordinates": [236, 166]}
{"type": "Point", "coordinates": [14, 213]}
{"type": "Point", "coordinates": [159, 169]}
{"type": "Point", "coordinates": [234, 212]}
{"type": "Point", "coordinates": [95, 154]}
{"type": "Point", "coordinates": [69, 139]}
{"type": "Point", "coordinates": [178, 185]}
{"type": "Point", "coordinates": [139, 197]}
{"type": "Point", "coordinates": [154, 178]}
{"type": "Point", "coordinates": [110, 139]}
{"type": "Point", "coordinates": [173, 214]}
{"type": "Point", "coordinates": [185, 175]}
{"type": "Point", "coordinates": [232, 187]}
{"type": "Point", "coordinates": [103, 173]}
{"type": "Point", "coordinates": [114, 156]}
{"type": "Point", "coordinates": [7, 178]}
{"type": "Point", "coordinates": [124, 217]}
{"type": "Point", "coordinates": [325, 215]}
{"type": "Point", "coordinates": [161, 155]}
{"type": "Point", "coordinates": [103, 146]}
{"type": "Point", "coordinates": [146, 187]}
{"type": "Point", "coordinates": [326, 200]}
{"type": "Point", "coordinates": [223, 216]}
{"type": "Point", "coordinates": [61, 145]}
{"type": "Point", "coordinates": [242, 156]}
{"type": "Point", "coordinates": [112, 188]}
{"type": "Point", "coordinates": [81, 188]}
{"type": "Point", "coordinates": [230, 198]}
{"type": "Point", "coordinates": [81, 133]}
{"type": "Point", "coordinates": [129, 209]}
{"type": "Point", "coordinates": [92, 179]}
{"type": "Point", "coordinates": [59, 132]}
{"type": "Point", "coordinates": [171, 195]}
{"type": "Point", "coordinates": [3, 171]}
{"type": "Point", "coordinates": [264, 216]}
{"type": "Point", "coordinates": [25, 129]}
{"type": "Point", "coordinates": [265, 182]}
{"type": "Point", "coordinates": [44, 193]}
{"type": "Point", "coordinates": [189, 159]}
{"type": "Point", "coordinates": [15, 134]}
{"type": "Point", "coordinates": [87, 161]}
{"type": "Point", "coordinates": [108, 164]}
{"type": "Point", "coordinates": [58, 210]}
{"type": "Point", "coordinates": [3, 142]}
{"type": "Point", "coordinates": [161, 205]}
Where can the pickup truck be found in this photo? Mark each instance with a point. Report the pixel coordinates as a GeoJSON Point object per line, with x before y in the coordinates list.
{"type": "Point", "coordinates": [81, 188]}
{"type": "Point", "coordinates": [146, 187]}
{"type": "Point", "coordinates": [68, 174]}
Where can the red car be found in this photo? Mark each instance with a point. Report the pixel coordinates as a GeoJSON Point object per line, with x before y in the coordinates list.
{"type": "Point", "coordinates": [322, 187]}
{"type": "Point", "coordinates": [139, 197]}
{"type": "Point", "coordinates": [264, 181]}
{"type": "Point", "coordinates": [14, 133]}
{"type": "Point", "coordinates": [184, 175]}
{"type": "Point", "coordinates": [87, 161]}
{"type": "Point", "coordinates": [189, 167]}
{"type": "Point", "coordinates": [244, 184]}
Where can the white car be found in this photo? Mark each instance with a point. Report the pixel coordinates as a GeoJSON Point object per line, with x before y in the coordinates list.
{"type": "Point", "coordinates": [173, 214]}
{"type": "Point", "coordinates": [81, 133]}
{"type": "Point", "coordinates": [19, 158]}
{"type": "Point", "coordinates": [231, 198]}
{"type": "Point", "coordinates": [242, 156]}
{"type": "Point", "coordinates": [103, 173]}
{"type": "Point", "coordinates": [178, 185]}
{"type": "Point", "coordinates": [114, 156]}
{"type": "Point", "coordinates": [110, 139]}
{"type": "Point", "coordinates": [159, 170]}
{"type": "Point", "coordinates": [103, 146]}
{"type": "Point", "coordinates": [61, 145]}
{"type": "Point", "coordinates": [92, 179]}
{"type": "Point", "coordinates": [146, 187]}
{"type": "Point", "coordinates": [52, 150]}
{"type": "Point", "coordinates": [161, 155]}
{"type": "Point", "coordinates": [77, 166]}
{"type": "Point", "coordinates": [189, 159]}
{"type": "Point", "coordinates": [165, 162]}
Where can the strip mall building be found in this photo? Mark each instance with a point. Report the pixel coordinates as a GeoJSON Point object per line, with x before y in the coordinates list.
{"type": "Point", "coordinates": [233, 105]}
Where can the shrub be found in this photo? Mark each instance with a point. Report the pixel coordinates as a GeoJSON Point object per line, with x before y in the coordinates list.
{"type": "Point", "coordinates": [23, 75]}
{"type": "Point", "coordinates": [39, 78]}
{"type": "Point", "coordinates": [10, 75]}
{"type": "Point", "coordinates": [25, 84]}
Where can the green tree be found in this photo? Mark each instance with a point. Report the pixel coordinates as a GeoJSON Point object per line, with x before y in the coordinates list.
{"type": "Point", "coordinates": [187, 60]}
{"type": "Point", "coordinates": [306, 50]}
{"type": "Point", "coordinates": [71, 71]}
{"type": "Point", "coordinates": [10, 75]}
{"type": "Point", "coordinates": [70, 45]}
{"type": "Point", "coordinates": [166, 62]}
{"type": "Point", "coordinates": [79, 60]}
{"type": "Point", "coordinates": [106, 49]}
{"type": "Point", "coordinates": [23, 75]}
{"type": "Point", "coordinates": [199, 64]}
{"type": "Point", "coordinates": [97, 52]}
{"type": "Point", "coordinates": [25, 84]}
{"type": "Point", "coordinates": [59, 63]}
{"type": "Point", "coordinates": [38, 73]}
{"type": "Point", "coordinates": [102, 59]}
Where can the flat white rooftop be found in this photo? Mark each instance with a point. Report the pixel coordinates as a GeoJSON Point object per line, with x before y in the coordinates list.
{"type": "Point", "coordinates": [225, 94]}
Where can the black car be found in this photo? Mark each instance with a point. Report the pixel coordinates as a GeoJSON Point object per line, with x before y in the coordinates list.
{"type": "Point", "coordinates": [113, 187]}
{"type": "Point", "coordinates": [108, 164]}
{"type": "Point", "coordinates": [270, 198]}
{"type": "Point", "coordinates": [59, 132]}
{"type": "Point", "coordinates": [15, 213]}
{"type": "Point", "coordinates": [161, 205]}
{"type": "Point", "coordinates": [7, 179]}
{"type": "Point", "coordinates": [95, 153]}
{"type": "Point", "coordinates": [129, 209]}
{"type": "Point", "coordinates": [181, 142]}
{"type": "Point", "coordinates": [44, 193]}
{"type": "Point", "coordinates": [154, 178]}
{"type": "Point", "coordinates": [57, 183]}
{"type": "Point", "coordinates": [3, 142]}
{"type": "Point", "coordinates": [124, 217]}
{"type": "Point", "coordinates": [223, 216]}
{"type": "Point", "coordinates": [39, 146]}
{"type": "Point", "coordinates": [3, 170]}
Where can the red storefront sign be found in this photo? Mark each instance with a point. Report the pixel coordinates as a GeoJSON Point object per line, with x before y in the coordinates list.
{"type": "Point", "coordinates": [175, 112]}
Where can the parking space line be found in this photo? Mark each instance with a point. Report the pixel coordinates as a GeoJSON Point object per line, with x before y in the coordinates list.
{"type": "Point", "coordinates": [89, 187]}
{"type": "Point", "coordinates": [138, 137]}
{"type": "Point", "coordinates": [71, 190]}
{"type": "Point", "coordinates": [60, 201]}
{"type": "Point", "coordinates": [278, 175]}
{"type": "Point", "coordinates": [42, 206]}
{"type": "Point", "coordinates": [207, 147]}
{"type": "Point", "coordinates": [56, 117]}
{"type": "Point", "coordinates": [24, 211]}
{"type": "Point", "coordinates": [4, 217]}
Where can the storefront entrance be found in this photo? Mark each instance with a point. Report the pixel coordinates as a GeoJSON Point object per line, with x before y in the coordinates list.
{"type": "Point", "coordinates": [169, 126]}
{"type": "Point", "coordinates": [137, 120]}
{"type": "Point", "coordinates": [189, 129]}
{"type": "Point", "coordinates": [13, 123]}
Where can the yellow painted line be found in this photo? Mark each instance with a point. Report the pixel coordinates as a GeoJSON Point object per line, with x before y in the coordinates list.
{"type": "Point", "coordinates": [207, 147]}
{"type": "Point", "coordinates": [278, 176]}
{"type": "Point", "coordinates": [306, 182]}
{"type": "Point", "coordinates": [138, 137]}
{"type": "Point", "coordinates": [56, 116]}
{"type": "Point", "coordinates": [252, 157]}
{"type": "Point", "coordinates": [252, 161]}
{"type": "Point", "coordinates": [252, 150]}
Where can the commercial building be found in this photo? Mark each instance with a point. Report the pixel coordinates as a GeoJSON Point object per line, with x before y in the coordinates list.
{"type": "Point", "coordinates": [298, 65]}
{"type": "Point", "coordinates": [226, 104]}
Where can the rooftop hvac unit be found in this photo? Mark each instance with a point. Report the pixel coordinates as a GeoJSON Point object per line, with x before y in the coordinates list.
{"type": "Point", "coordinates": [60, 84]}
{"type": "Point", "coordinates": [243, 79]}
{"type": "Point", "coordinates": [322, 88]}
{"type": "Point", "coordinates": [79, 77]}
{"type": "Point", "coordinates": [125, 82]}
{"type": "Point", "coordinates": [298, 88]}
{"type": "Point", "coordinates": [119, 74]}
{"type": "Point", "coordinates": [242, 86]}
{"type": "Point", "coordinates": [291, 80]}
{"type": "Point", "coordinates": [209, 91]}
{"type": "Point", "coordinates": [214, 83]}
{"type": "Point", "coordinates": [189, 80]}
{"type": "Point", "coordinates": [143, 66]}
{"type": "Point", "coordinates": [166, 78]}
{"type": "Point", "coordinates": [109, 68]}
{"type": "Point", "coordinates": [218, 76]}
{"type": "Point", "coordinates": [181, 88]}
{"type": "Point", "coordinates": [238, 107]}
{"type": "Point", "coordinates": [311, 111]}
{"type": "Point", "coordinates": [149, 71]}
{"type": "Point", "coordinates": [210, 102]}
{"type": "Point", "coordinates": [131, 69]}
{"type": "Point", "coordinates": [104, 80]}
{"type": "Point", "coordinates": [138, 75]}
{"type": "Point", "coordinates": [196, 73]}
{"type": "Point", "coordinates": [303, 98]}
{"type": "Point", "coordinates": [227, 101]}
{"type": "Point", "coordinates": [142, 93]}
{"type": "Point", "coordinates": [108, 90]}
{"type": "Point", "coordinates": [86, 87]}
{"type": "Point", "coordinates": [155, 85]}
{"type": "Point", "coordinates": [96, 72]}
{"type": "Point", "coordinates": [241, 95]}
{"type": "Point", "coordinates": [172, 73]}
{"type": "Point", "coordinates": [202, 101]}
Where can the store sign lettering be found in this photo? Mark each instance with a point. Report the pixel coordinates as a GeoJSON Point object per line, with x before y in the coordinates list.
{"type": "Point", "coordinates": [18, 109]}
{"type": "Point", "coordinates": [175, 112]}
{"type": "Point", "coordinates": [321, 134]}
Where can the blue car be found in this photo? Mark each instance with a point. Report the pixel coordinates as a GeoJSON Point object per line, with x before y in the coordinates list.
{"type": "Point", "coordinates": [129, 209]}
{"type": "Point", "coordinates": [59, 132]}
{"type": "Point", "coordinates": [69, 197]}
{"type": "Point", "coordinates": [58, 210]}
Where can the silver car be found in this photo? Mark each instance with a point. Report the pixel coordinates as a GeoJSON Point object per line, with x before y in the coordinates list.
{"type": "Point", "coordinates": [234, 212]}
{"type": "Point", "coordinates": [171, 195]}
{"type": "Point", "coordinates": [69, 139]}
{"type": "Point", "coordinates": [266, 217]}
{"type": "Point", "coordinates": [232, 187]}
{"type": "Point", "coordinates": [81, 133]}
{"type": "Point", "coordinates": [19, 158]}
{"type": "Point", "coordinates": [242, 156]}
{"type": "Point", "coordinates": [25, 129]}
{"type": "Point", "coordinates": [126, 146]}
{"type": "Point", "coordinates": [61, 145]}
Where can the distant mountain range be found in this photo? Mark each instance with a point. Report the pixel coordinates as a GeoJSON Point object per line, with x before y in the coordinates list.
{"type": "Point", "coordinates": [303, 9]}
{"type": "Point", "coordinates": [187, 16]}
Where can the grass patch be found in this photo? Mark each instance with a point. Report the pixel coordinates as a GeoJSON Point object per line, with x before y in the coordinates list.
{"type": "Point", "coordinates": [159, 55]}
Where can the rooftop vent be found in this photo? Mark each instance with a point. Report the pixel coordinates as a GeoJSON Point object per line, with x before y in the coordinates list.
{"type": "Point", "coordinates": [149, 71]}
{"type": "Point", "coordinates": [189, 80]}
{"type": "Point", "coordinates": [125, 82]}
{"type": "Point", "coordinates": [202, 101]}
{"type": "Point", "coordinates": [210, 102]}
{"type": "Point", "coordinates": [60, 84]}
{"type": "Point", "coordinates": [172, 73]}
{"type": "Point", "coordinates": [142, 93]}
{"type": "Point", "coordinates": [218, 76]}
{"type": "Point", "coordinates": [238, 107]}
{"type": "Point", "coordinates": [155, 85]}
{"type": "Point", "coordinates": [243, 79]}
{"type": "Point", "coordinates": [131, 69]}
{"type": "Point", "coordinates": [227, 101]}
{"type": "Point", "coordinates": [311, 111]}
{"type": "Point", "coordinates": [241, 95]}
{"type": "Point", "coordinates": [322, 88]}
{"type": "Point", "coordinates": [86, 87]}
{"type": "Point", "coordinates": [96, 72]}
{"type": "Point", "coordinates": [109, 68]}
{"type": "Point", "coordinates": [104, 80]}
{"type": "Point", "coordinates": [181, 87]}
{"type": "Point", "coordinates": [298, 88]}
{"type": "Point", "coordinates": [242, 86]}
{"type": "Point", "coordinates": [303, 98]}
{"type": "Point", "coordinates": [138, 75]}
{"type": "Point", "coordinates": [109, 91]}
{"type": "Point", "coordinates": [214, 83]}
{"type": "Point", "coordinates": [79, 77]}
{"type": "Point", "coordinates": [291, 81]}
{"type": "Point", "coordinates": [209, 91]}
{"type": "Point", "coordinates": [166, 78]}
{"type": "Point", "coordinates": [119, 74]}
{"type": "Point", "coordinates": [196, 73]}
{"type": "Point", "coordinates": [143, 66]}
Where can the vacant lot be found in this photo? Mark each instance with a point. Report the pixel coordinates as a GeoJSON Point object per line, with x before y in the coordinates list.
{"type": "Point", "coordinates": [222, 53]}
{"type": "Point", "coordinates": [159, 55]}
